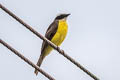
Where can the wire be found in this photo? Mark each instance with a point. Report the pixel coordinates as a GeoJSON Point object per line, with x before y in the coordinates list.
{"type": "Point", "coordinates": [26, 60]}
{"type": "Point", "coordinates": [49, 42]}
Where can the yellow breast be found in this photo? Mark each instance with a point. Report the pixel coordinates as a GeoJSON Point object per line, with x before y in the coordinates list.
{"type": "Point", "coordinates": [61, 32]}
{"type": "Point", "coordinates": [59, 37]}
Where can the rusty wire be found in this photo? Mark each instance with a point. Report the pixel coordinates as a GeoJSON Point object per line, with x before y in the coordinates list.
{"type": "Point", "coordinates": [26, 60]}
{"type": "Point", "coordinates": [49, 42]}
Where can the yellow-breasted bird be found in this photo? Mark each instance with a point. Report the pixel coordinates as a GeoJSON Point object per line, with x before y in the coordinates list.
{"type": "Point", "coordinates": [56, 33]}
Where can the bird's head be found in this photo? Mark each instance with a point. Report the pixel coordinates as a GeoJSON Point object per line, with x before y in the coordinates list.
{"type": "Point", "coordinates": [62, 17]}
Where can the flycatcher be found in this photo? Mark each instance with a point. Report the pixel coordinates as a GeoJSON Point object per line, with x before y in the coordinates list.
{"type": "Point", "coordinates": [56, 33]}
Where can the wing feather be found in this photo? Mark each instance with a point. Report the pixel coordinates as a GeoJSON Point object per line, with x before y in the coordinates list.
{"type": "Point", "coordinates": [52, 29]}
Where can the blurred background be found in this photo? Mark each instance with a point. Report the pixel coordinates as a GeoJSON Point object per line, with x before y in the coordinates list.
{"type": "Point", "coordinates": [93, 39]}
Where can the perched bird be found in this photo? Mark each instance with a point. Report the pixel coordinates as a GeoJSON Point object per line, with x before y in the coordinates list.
{"type": "Point", "coordinates": [56, 33]}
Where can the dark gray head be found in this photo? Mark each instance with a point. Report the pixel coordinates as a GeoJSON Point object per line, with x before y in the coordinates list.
{"type": "Point", "coordinates": [62, 16]}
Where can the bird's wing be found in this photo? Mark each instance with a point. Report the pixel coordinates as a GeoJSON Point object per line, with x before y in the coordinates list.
{"type": "Point", "coordinates": [52, 29]}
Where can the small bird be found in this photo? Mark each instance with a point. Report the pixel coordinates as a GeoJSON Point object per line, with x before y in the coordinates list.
{"type": "Point", "coordinates": [56, 33]}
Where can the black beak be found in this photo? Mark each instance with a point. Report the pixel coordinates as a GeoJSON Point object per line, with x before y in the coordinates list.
{"type": "Point", "coordinates": [67, 15]}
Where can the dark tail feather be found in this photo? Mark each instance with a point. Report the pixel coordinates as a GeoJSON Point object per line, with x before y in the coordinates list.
{"type": "Point", "coordinates": [39, 63]}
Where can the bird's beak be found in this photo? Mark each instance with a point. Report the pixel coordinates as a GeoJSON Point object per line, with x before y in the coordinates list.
{"type": "Point", "coordinates": [67, 15]}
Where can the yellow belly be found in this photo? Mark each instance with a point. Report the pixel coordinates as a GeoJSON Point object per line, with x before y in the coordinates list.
{"type": "Point", "coordinates": [59, 36]}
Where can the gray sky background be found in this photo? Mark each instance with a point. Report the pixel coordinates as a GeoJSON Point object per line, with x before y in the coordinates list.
{"type": "Point", "coordinates": [93, 39]}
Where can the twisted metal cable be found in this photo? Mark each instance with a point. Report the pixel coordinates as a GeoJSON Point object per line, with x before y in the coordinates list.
{"type": "Point", "coordinates": [49, 42]}
{"type": "Point", "coordinates": [26, 60]}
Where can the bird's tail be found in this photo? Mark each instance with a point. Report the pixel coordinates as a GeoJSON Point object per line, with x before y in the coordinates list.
{"type": "Point", "coordinates": [39, 63]}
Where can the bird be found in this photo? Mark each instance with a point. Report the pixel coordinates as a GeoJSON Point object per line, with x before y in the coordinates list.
{"type": "Point", "coordinates": [56, 33]}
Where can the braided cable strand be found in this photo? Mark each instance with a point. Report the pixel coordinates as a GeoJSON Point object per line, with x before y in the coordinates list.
{"type": "Point", "coordinates": [26, 60]}
{"type": "Point", "coordinates": [77, 64]}
{"type": "Point", "coordinates": [49, 42]}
